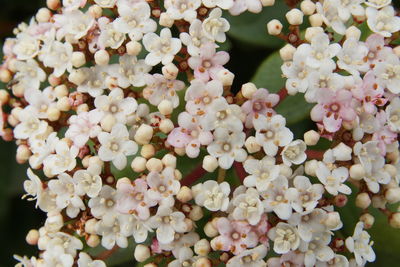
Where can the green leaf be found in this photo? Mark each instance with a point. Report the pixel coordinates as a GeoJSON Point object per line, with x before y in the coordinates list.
{"type": "Point", "coordinates": [269, 76]}
{"type": "Point", "coordinates": [251, 28]}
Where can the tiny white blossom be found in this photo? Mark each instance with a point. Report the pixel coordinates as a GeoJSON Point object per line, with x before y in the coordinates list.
{"type": "Point", "coordinates": [212, 195]}
{"type": "Point", "coordinates": [361, 245]}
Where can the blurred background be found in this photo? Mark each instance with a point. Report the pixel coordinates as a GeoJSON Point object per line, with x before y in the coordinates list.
{"type": "Point", "coordinates": [249, 48]}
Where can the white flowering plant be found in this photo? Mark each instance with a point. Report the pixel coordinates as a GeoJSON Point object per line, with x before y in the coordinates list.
{"type": "Point", "coordinates": [138, 143]}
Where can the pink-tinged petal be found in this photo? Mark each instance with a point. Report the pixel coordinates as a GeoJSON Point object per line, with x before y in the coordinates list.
{"type": "Point", "coordinates": [220, 58]}
{"type": "Point", "coordinates": [193, 149]}
{"type": "Point", "coordinates": [223, 243]}
{"type": "Point", "coordinates": [207, 51]}
{"type": "Point", "coordinates": [205, 137]}
{"type": "Point", "coordinates": [348, 114]}
{"type": "Point", "coordinates": [331, 124]}
{"type": "Point", "coordinates": [224, 226]}
{"type": "Point", "coordinates": [202, 74]}
{"type": "Point", "coordinates": [179, 138]}
{"type": "Point", "coordinates": [195, 62]}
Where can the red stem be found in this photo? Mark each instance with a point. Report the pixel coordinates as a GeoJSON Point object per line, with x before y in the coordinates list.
{"type": "Point", "coordinates": [106, 254]}
{"type": "Point", "coordinates": [241, 173]}
{"type": "Point", "coordinates": [193, 176]}
{"type": "Point", "coordinates": [315, 154]}
{"type": "Point", "coordinates": [283, 93]}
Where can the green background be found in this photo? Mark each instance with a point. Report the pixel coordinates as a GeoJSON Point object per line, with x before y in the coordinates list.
{"type": "Point", "coordinates": [252, 58]}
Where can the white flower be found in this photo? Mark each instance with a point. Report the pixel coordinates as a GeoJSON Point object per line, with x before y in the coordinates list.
{"type": "Point", "coordinates": [57, 55]}
{"type": "Point", "coordinates": [285, 238]}
{"type": "Point", "coordinates": [317, 249]}
{"type": "Point", "coordinates": [378, 3]}
{"type": "Point", "coordinates": [227, 147]}
{"type": "Point", "coordinates": [110, 36]}
{"type": "Point", "coordinates": [249, 258]}
{"type": "Point", "coordinates": [67, 196]}
{"type": "Point", "coordinates": [296, 72]}
{"type": "Point", "coordinates": [333, 180]}
{"type": "Point", "coordinates": [29, 127]}
{"type": "Point", "coordinates": [369, 155]}
{"type": "Point", "coordinates": [224, 4]}
{"type": "Point", "coordinates": [42, 147]}
{"type": "Point", "coordinates": [26, 47]}
{"type": "Point", "coordinates": [132, 71]}
{"type": "Point", "coordinates": [262, 173]}
{"type": "Point", "coordinates": [215, 26]}
{"type": "Point", "coordinates": [332, 15]}
{"type": "Point", "coordinates": [247, 205]}
{"type": "Point", "coordinates": [223, 115]}
{"type": "Point", "coordinates": [185, 258]}
{"type": "Point", "coordinates": [305, 195]}
{"type": "Point", "coordinates": [116, 233]}
{"type": "Point", "coordinates": [294, 153]}
{"type": "Point", "coordinates": [309, 224]}
{"type": "Point", "coordinates": [88, 181]}
{"type": "Point", "coordinates": [163, 186]}
{"type": "Point", "coordinates": [194, 39]}
{"type": "Point", "coordinates": [276, 198]}
{"type": "Point", "coordinates": [33, 187]}
{"type": "Point", "coordinates": [29, 74]}
{"type": "Point", "coordinates": [103, 206]}
{"type": "Point", "coordinates": [63, 160]}
{"type": "Point", "coordinates": [161, 48]}
{"type": "Point", "coordinates": [272, 133]}
{"type": "Point", "coordinates": [134, 19]}
{"type": "Point", "coordinates": [393, 114]}
{"type": "Point", "coordinates": [376, 177]}
{"type": "Point", "coordinates": [212, 195]}
{"type": "Point", "coordinates": [116, 146]}
{"type": "Point", "coordinates": [360, 245]}
{"type": "Point", "coordinates": [182, 9]}
{"type": "Point", "coordinates": [383, 21]}
{"type": "Point", "coordinates": [352, 57]}
{"type": "Point", "coordinates": [167, 224]}
{"type": "Point", "coordinates": [106, 3]}
{"type": "Point", "coordinates": [85, 261]}
{"type": "Point", "coordinates": [84, 126]}
{"type": "Point", "coordinates": [388, 74]}
{"type": "Point", "coordinates": [74, 24]}
{"type": "Point", "coordinates": [116, 105]}
{"type": "Point", "coordinates": [40, 101]}
{"type": "Point", "coordinates": [160, 88]}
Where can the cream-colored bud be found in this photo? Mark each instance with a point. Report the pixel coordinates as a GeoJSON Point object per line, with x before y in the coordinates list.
{"type": "Point", "coordinates": [138, 164]}
{"type": "Point", "coordinates": [196, 213]}
{"type": "Point", "coordinates": [368, 220]}
{"type": "Point", "coordinates": [248, 89]}
{"type": "Point", "coordinates": [23, 154]}
{"type": "Point", "coordinates": [311, 32]}
{"type": "Point", "coordinates": [90, 226]}
{"type": "Point", "coordinates": [226, 77]}
{"type": "Point", "coordinates": [53, 80]}
{"type": "Point", "coordinates": [274, 27]}
{"type": "Point", "coordinates": [342, 152]}
{"type": "Point", "coordinates": [310, 167]}
{"type": "Point", "coordinates": [82, 108]}
{"type": "Point", "coordinates": [95, 11]}
{"type": "Point", "coordinates": [363, 200]}
{"type": "Point", "coordinates": [268, 2]}
{"type": "Point", "coordinates": [32, 237]}
{"type": "Point", "coordinates": [210, 230]}
{"type": "Point", "coordinates": [185, 194]}
{"type": "Point", "coordinates": [394, 220]}
{"type": "Point", "coordinates": [353, 32]}
{"type": "Point", "coordinates": [178, 174]}
{"type": "Point", "coordinates": [133, 48]}
{"type": "Point", "coordinates": [54, 223]}
{"type": "Point", "coordinates": [78, 59]}
{"type": "Point", "coordinates": [53, 4]}
{"type": "Point", "coordinates": [285, 170]}
{"type": "Point", "coordinates": [180, 151]}
{"type": "Point", "coordinates": [148, 151]}
{"type": "Point", "coordinates": [85, 161]}
{"type": "Point", "coordinates": [332, 220]}
{"type": "Point", "coordinates": [108, 122]}
{"type": "Point", "coordinates": [169, 160]}
{"type": "Point", "coordinates": [170, 71]}
{"type": "Point", "coordinates": [142, 253]}
{"type": "Point", "coordinates": [316, 20]}
{"type": "Point", "coordinates": [295, 16]}
{"type": "Point", "coordinates": [93, 241]}
{"type": "Point", "coordinates": [144, 134]}
{"type": "Point", "coordinates": [286, 53]}
{"type": "Point", "coordinates": [63, 104]}
{"type": "Point", "coordinates": [61, 91]}
{"type": "Point", "coordinates": [5, 75]}
{"type": "Point", "coordinates": [311, 138]}
{"type": "Point", "coordinates": [12, 120]}
{"type": "Point", "coordinates": [166, 126]}
{"type": "Point", "coordinates": [202, 247]}
{"type": "Point", "coordinates": [379, 202]}
{"type": "Point", "coordinates": [392, 195]}
{"type": "Point", "coordinates": [166, 20]}
{"type": "Point", "coordinates": [77, 77]}
{"type": "Point", "coordinates": [151, 265]}
{"type": "Point", "coordinates": [210, 163]}
{"type": "Point", "coordinates": [165, 107]}
{"type": "Point", "coordinates": [53, 113]}
{"type": "Point", "coordinates": [202, 262]}
{"type": "Point", "coordinates": [308, 7]}
{"type": "Point", "coordinates": [102, 57]}
{"type": "Point", "coordinates": [251, 145]}
{"type": "Point", "coordinates": [357, 172]}
{"type": "Point", "coordinates": [43, 15]}
{"type": "Point", "coordinates": [18, 90]}
{"type": "Point", "coordinates": [391, 169]}
{"type": "Point", "coordinates": [154, 165]}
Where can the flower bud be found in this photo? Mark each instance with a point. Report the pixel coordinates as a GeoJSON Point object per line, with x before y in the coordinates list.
{"type": "Point", "coordinates": [54, 223]}
{"type": "Point", "coordinates": [102, 57]}
{"type": "Point", "coordinates": [170, 71]}
{"type": "Point", "coordinates": [78, 59]}
{"type": "Point", "coordinates": [5, 75]}
{"type": "Point", "coordinates": [353, 32]}
{"type": "Point", "coordinates": [154, 165]}
{"type": "Point", "coordinates": [316, 20]}
{"type": "Point", "coordinates": [202, 247]}
{"type": "Point", "coordinates": [180, 151]}
{"type": "Point", "coordinates": [43, 15]}
{"type": "Point", "coordinates": [95, 11]}
{"type": "Point", "coordinates": [311, 32]}
{"type": "Point", "coordinates": [142, 253]}
{"type": "Point", "coordinates": [342, 152]}
{"type": "Point", "coordinates": [226, 77]}
{"type": "Point", "coordinates": [285, 170]}
{"type": "Point", "coordinates": [23, 154]}
{"type": "Point", "coordinates": [378, 202]}
{"type": "Point", "coordinates": [148, 151]}
{"type": "Point", "coordinates": [144, 134]}
{"type": "Point", "coordinates": [295, 16]}
{"type": "Point", "coordinates": [77, 77]}
{"type": "Point", "coordinates": [63, 104]}
{"type": "Point", "coordinates": [165, 107]}
{"type": "Point", "coordinates": [53, 113]}
{"type": "Point", "coordinates": [392, 195]}
{"type": "Point", "coordinates": [333, 220]}
{"type": "Point", "coordinates": [93, 241]}
{"type": "Point", "coordinates": [268, 2]}
{"type": "Point", "coordinates": [251, 145]}
{"type": "Point", "coordinates": [286, 53]}
{"type": "Point", "coordinates": [308, 7]}
{"type": "Point", "coordinates": [185, 194]}
{"type": "Point", "coordinates": [61, 91]}
{"type": "Point", "coordinates": [169, 160]}
{"type": "Point", "coordinates": [53, 4]}
{"type": "Point", "coordinates": [311, 138]}
{"type": "Point", "coordinates": [368, 220]}
{"type": "Point", "coordinates": [133, 48]}
{"type": "Point", "coordinates": [210, 163]}
{"type": "Point", "coordinates": [274, 27]}
{"type": "Point", "coordinates": [394, 220]}
{"type": "Point", "coordinates": [363, 200]}
{"type": "Point", "coordinates": [202, 262]}
{"type": "Point", "coordinates": [108, 122]}
{"type": "Point", "coordinates": [90, 226]}
{"type": "Point", "coordinates": [391, 169]}
{"type": "Point", "coordinates": [248, 89]}
{"type": "Point", "coordinates": [138, 164]}
{"type": "Point", "coordinates": [196, 213]}
{"type": "Point", "coordinates": [210, 230]}
{"type": "Point", "coordinates": [32, 237]}
{"type": "Point", "coordinates": [166, 126]}
{"type": "Point", "coordinates": [166, 20]}
{"type": "Point", "coordinates": [357, 172]}
{"type": "Point", "coordinates": [310, 167]}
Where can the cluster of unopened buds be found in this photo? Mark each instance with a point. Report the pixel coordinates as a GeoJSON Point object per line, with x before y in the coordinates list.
{"type": "Point", "coordinates": [110, 100]}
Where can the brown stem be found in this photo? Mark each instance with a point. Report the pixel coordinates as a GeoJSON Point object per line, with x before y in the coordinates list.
{"type": "Point", "coordinates": [108, 253]}
{"type": "Point", "coordinates": [193, 176]}
{"type": "Point", "coordinates": [241, 173]}
{"type": "Point", "coordinates": [315, 154]}
{"type": "Point", "coordinates": [283, 93]}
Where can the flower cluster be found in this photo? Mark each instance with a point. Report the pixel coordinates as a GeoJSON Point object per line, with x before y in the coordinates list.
{"type": "Point", "coordinates": [109, 100]}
